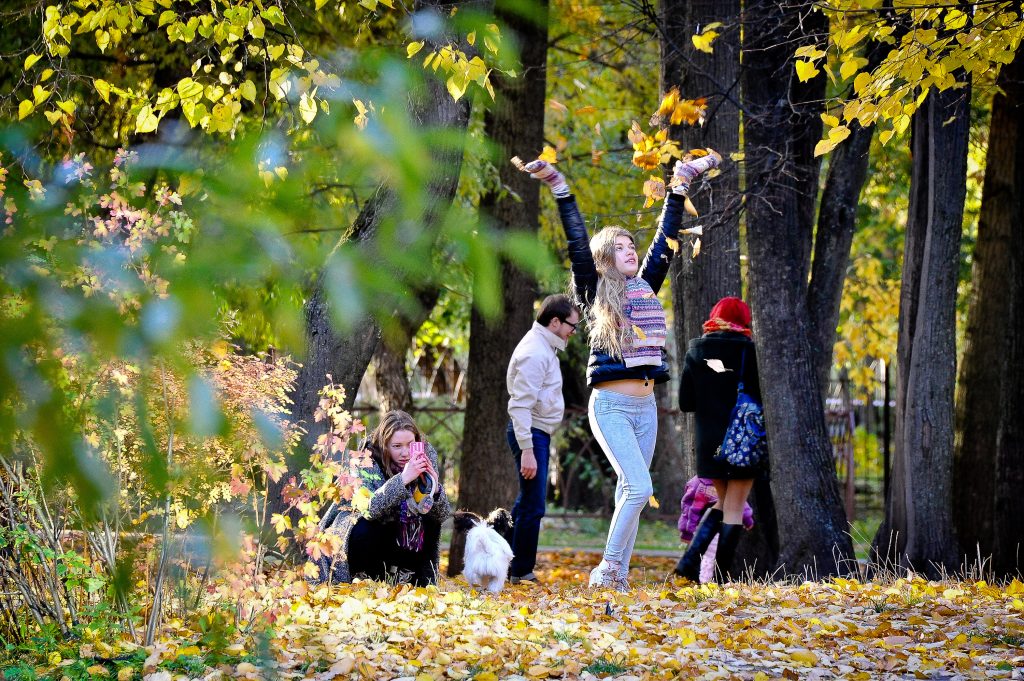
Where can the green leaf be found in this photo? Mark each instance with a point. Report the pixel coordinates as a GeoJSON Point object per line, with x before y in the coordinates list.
{"type": "Point", "coordinates": [274, 15]}
{"type": "Point", "coordinates": [146, 121]}
{"type": "Point", "coordinates": [247, 90]}
{"type": "Point", "coordinates": [257, 29]}
{"type": "Point", "coordinates": [189, 89]}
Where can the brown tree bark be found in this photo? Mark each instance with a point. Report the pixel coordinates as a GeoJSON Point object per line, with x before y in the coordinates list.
{"type": "Point", "coordinates": [781, 126]}
{"type": "Point", "coordinates": [988, 465]}
{"type": "Point", "coordinates": [515, 124]}
{"type": "Point", "coordinates": [391, 374]}
{"type": "Point", "coordinates": [918, 529]}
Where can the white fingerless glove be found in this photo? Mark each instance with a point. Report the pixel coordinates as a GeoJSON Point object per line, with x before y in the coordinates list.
{"type": "Point", "coordinates": [546, 173]}
{"type": "Point", "coordinates": [686, 172]}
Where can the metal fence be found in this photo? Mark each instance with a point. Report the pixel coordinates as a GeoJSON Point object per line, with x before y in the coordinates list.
{"type": "Point", "coordinates": [860, 430]}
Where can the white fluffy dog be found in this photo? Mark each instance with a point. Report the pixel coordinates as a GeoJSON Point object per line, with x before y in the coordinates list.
{"type": "Point", "coordinates": [487, 554]}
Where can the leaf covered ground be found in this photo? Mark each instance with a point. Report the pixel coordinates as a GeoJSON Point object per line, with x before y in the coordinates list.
{"type": "Point", "coordinates": [663, 629]}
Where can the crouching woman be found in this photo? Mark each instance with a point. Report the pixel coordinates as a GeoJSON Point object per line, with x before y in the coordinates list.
{"type": "Point", "coordinates": [397, 537]}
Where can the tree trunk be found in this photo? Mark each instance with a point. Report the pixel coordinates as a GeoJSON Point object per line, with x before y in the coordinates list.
{"type": "Point", "coordinates": [515, 124]}
{"type": "Point", "coordinates": [918, 530]}
{"type": "Point", "coordinates": [391, 375]}
{"type": "Point", "coordinates": [698, 283]}
{"type": "Point", "coordinates": [781, 176]}
{"type": "Point", "coordinates": [837, 217]}
{"type": "Point", "coordinates": [345, 356]}
{"type": "Point", "coordinates": [988, 458]}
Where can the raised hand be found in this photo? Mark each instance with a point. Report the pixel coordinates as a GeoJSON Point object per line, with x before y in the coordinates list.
{"type": "Point", "coordinates": [685, 172]}
{"type": "Point", "coordinates": [546, 173]}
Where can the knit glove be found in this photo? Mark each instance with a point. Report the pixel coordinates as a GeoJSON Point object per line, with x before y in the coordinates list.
{"type": "Point", "coordinates": [685, 172]}
{"type": "Point", "coordinates": [546, 173]}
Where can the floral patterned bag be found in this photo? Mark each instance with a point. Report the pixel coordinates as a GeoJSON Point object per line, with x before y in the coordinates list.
{"type": "Point", "coordinates": [746, 440]}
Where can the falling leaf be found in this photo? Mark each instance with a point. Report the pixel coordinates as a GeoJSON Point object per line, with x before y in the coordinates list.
{"type": "Point", "coordinates": [548, 154]}
{"type": "Point", "coordinates": [672, 244]}
{"type": "Point", "coordinates": [688, 205]}
{"type": "Point", "coordinates": [653, 502]}
{"type": "Point", "coordinates": [697, 230]}
{"type": "Point", "coordinates": [716, 365]}
{"type": "Point", "coordinates": [639, 332]}
{"type": "Point", "coordinates": [696, 248]}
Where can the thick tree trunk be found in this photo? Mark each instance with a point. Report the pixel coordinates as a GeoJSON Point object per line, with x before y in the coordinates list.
{"type": "Point", "coordinates": [515, 124]}
{"type": "Point", "coordinates": [918, 530]}
{"type": "Point", "coordinates": [699, 283]}
{"type": "Point", "coordinates": [988, 464]}
{"type": "Point", "coordinates": [781, 177]}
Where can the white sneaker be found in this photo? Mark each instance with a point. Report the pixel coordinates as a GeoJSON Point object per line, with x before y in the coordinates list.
{"type": "Point", "coordinates": [606, 575]}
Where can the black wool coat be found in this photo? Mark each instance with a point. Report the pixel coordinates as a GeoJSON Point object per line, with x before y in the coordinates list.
{"type": "Point", "coordinates": [712, 395]}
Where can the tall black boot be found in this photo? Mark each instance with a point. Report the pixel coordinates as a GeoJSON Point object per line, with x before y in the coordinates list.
{"type": "Point", "coordinates": [728, 538]}
{"type": "Point", "coordinates": [689, 565]}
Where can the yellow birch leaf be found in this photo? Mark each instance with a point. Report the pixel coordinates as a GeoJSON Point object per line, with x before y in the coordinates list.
{"type": "Point", "coordinates": [829, 120]}
{"type": "Point", "coordinates": [861, 82]}
{"type": "Point", "coordinates": [806, 70]}
{"type": "Point", "coordinates": [25, 108]}
{"type": "Point", "coordinates": [703, 41]}
{"type": "Point", "coordinates": [805, 657]}
{"type": "Point", "coordinates": [588, 109]}
{"type": "Point", "coordinates": [824, 146]}
{"type": "Point", "coordinates": [653, 502]}
{"type": "Point", "coordinates": [53, 116]}
{"type": "Point", "coordinates": [30, 61]}
{"type": "Point", "coordinates": [672, 244]}
{"type": "Point", "coordinates": [413, 48]}
{"type": "Point", "coordinates": [307, 107]}
{"type": "Point", "coordinates": [838, 134]}
{"type": "Point", "coordinates": [548, 154]}
{"type": "Point", "coordinates": [688, 205]}
{"type": "Point", "coordinates": [471, 38]}
{"type": "Point", "coordinates": [848, 68]}
{"type": "Point", "coordinates": [696, 248]}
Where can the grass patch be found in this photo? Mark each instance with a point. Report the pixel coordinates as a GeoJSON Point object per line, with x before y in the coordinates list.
{"type": "Point", "coordinates": [603, 667]}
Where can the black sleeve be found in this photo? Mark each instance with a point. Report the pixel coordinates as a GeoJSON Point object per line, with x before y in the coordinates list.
{"type": "Point", "coordinates": [659, 255]}
{"type": "Point", "coordinates": [584, 272]}
{"type": "Point", "coordinates": [751, 377]}
{"type": "Point", "coordinates": [687, 386]}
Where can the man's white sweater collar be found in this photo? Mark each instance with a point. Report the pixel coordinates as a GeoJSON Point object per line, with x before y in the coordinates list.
{"type": "Point", "coordinates": [552, 338]}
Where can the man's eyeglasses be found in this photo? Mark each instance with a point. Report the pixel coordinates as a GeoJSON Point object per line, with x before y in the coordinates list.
{"type": "Point", "coordinates": [566, 321]}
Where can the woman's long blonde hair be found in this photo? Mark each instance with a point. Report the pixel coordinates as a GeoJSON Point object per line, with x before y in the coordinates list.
{"type": "Point", "coordinates": [392, 422]}
{"type": "Point", "coordinates": [605, 318]}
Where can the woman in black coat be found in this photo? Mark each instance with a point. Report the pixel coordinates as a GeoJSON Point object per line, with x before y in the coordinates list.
{"type": "Point", "coordinates": [714, 365]}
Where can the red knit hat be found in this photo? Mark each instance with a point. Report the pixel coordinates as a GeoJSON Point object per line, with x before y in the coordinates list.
{"type": "Point", "coordinates": [731, 310]}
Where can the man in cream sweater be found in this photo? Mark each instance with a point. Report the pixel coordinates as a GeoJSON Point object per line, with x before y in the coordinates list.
{"type": "Point", "coordinates": [535, 409]}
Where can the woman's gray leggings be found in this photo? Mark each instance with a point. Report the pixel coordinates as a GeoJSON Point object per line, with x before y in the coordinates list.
{"type": "Point", "coordinates": [626, 427]}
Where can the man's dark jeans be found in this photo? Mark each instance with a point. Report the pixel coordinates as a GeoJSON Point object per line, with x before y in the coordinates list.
{"type": "Point", "coordinates": [529, 507]}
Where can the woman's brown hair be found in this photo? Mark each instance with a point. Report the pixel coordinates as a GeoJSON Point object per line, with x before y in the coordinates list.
{"type": "Point", "coordinates": [392, 422]}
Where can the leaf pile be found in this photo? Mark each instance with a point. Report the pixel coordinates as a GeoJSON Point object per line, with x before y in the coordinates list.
{"type": "Point", "coordinates": [664, 628]}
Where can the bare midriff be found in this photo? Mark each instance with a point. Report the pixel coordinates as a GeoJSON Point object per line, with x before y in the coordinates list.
{"type": "Point", "coordinates": [634, 387]}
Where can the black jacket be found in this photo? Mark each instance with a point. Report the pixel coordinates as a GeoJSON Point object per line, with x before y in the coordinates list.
{"type": "Point", "coordinates": [712, 395]}
{"type": "Point", "coordinates": [602, 366]}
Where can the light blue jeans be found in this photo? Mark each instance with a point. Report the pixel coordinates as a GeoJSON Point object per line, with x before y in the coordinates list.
{"type": "Point", "coordinates": [626, 428]}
